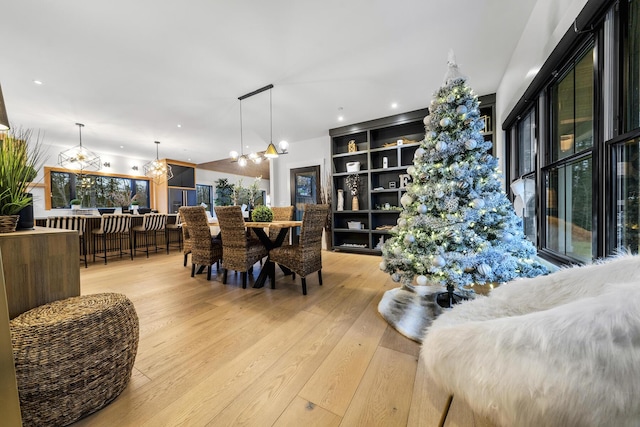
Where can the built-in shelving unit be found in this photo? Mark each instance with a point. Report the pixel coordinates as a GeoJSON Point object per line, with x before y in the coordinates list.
{"type": "Point", "coordinates": [384, 148]}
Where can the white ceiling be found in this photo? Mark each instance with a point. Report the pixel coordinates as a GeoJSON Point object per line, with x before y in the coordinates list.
{"type": "Point", "coordinates": [131, 71]}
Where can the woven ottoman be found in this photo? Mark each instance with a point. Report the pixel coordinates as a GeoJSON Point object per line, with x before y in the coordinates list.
{"type": "Point", "coordinates": [73, 356]}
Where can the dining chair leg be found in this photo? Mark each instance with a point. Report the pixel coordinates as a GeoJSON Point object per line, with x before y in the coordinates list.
{"type": "Point", "coordinates": [208, 272]}
{"type": "Point", "coordinates": [185, 259]}
{"type": "Point", "coordinates": [293, 275]}
{"type": "Point", "coordinates": [320, 277]}
{"type": "Point", "coordinates": [244, 280]}
{"type": "Point", "coordinates": [193, 270]}
{"type": "Point", "coordinates": [304, 285]}
{"type": "Point", "coordinates": [224, 276]}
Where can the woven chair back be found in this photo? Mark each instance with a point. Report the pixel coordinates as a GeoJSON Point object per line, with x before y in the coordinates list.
{"type": "Point", "coordinates": [313, 222]}
{"type": "Point", "coordinates": [74, 222]}
{"type": "Point", "coordinates": [154, 222]}
{"type": "Point", "coordinates": [282, 213]}
{"type": "Point", "coordinates": [232, 229]}
{"type": "Point", "coordinates": [193, 216]}
{"type": "Point", "coordinates": [115, 223]}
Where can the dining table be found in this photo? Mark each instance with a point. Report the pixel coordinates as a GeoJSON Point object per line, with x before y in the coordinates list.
{"type": "Point", "coordinates": [261, 230]}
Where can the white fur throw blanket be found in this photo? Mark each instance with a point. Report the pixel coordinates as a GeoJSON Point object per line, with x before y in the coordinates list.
{"type": "Point", "coordinates": [556, 350]}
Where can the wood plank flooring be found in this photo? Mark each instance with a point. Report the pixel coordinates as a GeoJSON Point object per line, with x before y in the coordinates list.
{"type": "Point", "coordinates": [218, 355]}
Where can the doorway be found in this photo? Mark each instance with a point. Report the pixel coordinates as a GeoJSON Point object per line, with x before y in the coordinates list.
{"type": "Point", "coordinates": [304, 189]}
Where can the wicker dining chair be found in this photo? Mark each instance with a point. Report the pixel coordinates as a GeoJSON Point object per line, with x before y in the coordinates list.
{"type": "Point", "coordinates": [305, 257]}
{"type": "Point", "coordinates": [152, 224]}
{"type": "Point", "coordinates": [113, 228]}
{"type": "Point", "coordinates": [205, 249]}
{"type": "Point", "coordinates": [280, 213]}
{"type": "Point", "coordinates": [72, 222]}
{"type": "Point", "coordinates": [239, 252]}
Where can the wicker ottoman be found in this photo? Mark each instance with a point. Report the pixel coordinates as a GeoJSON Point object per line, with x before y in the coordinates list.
{"type": "Point", "coordinates": [73, 356]}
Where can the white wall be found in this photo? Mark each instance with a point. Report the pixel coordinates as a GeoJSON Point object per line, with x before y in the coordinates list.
{"type": "Point", "coordinates": [310, 152]}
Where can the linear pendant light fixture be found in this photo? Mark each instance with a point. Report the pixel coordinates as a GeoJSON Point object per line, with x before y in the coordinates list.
{"type": "Point", "coordinates": [4, 120]}
{"type": "Point", "coordinates": [271, 152]}
{"type": "Point", "coordinates": [79, 157]}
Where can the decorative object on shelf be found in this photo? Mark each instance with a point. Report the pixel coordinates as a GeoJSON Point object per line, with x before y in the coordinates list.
{"type": "Point", "coordinates": [352, 147]}
{"type": "Point", "coordinates": [469, 224]}
{"type": "Point", "coordinates": [380, 243]}
{"type": "Point", "coordinates": [354, 225]}
{"type": "Point", "coordinates": [392, 184]}
{"type": "Point", "coordinates": [75, 204]}
{"type": "Point", "coordinates": [4, 119]}
{"type": "Point", "coordinates": [271, 152]}
{"type": "Point", "coordinates": [405, 178]}
{"type": "Point", "coordinates": [20, 160]}
{"type": "Point", "coordinates": [79, 158]}
{"type": "Point", "coordinates": [262, 213]}
{"type": "Point", "coordinates": [340, 205]}
{"type": "Point", "coordinates": [353, 167]}
{"type": "Point", "coordinates": [353, 182]}
{"type": "Point", "coordinates": [385, 162]}
{"type": "Point", "coordinates": [158, 171]}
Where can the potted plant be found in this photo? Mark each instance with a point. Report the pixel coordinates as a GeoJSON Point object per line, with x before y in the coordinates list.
{"type": "Point", "coordinates": [20, 160]}
{"type": "Point", "coordinates": [262, 213]}
{"type": "Point", "coordinates": [75, 203]}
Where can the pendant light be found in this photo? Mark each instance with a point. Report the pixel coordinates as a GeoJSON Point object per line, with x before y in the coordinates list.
{"type": "Point", "coordinates": [157, 170]}
{"type": "Point", "coordinates": [79, 158]}
{"type": "Point", "coordinates": [4, 120]}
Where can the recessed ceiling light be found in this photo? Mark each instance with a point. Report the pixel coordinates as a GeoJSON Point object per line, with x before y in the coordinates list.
{"type": "Point", "coordinates": [340, 118]}
{"type": "Point", "coordinates": [179, 125]}
{"type": "Point", "coordinates": [38, 82]}
{"type": "Point", "coordinates": [394, 105]}
{"type": "Point", "coordinates": [122, 146]}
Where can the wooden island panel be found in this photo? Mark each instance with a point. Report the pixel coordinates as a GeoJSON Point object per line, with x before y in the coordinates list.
{"type": "Point", "coordinates": [40, 266]}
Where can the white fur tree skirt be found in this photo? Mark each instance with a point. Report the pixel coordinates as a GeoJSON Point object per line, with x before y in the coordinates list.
{"type": "Point", "coordinates": [556, 350]}
{"type": "Point", "coordinates": [410, 309]}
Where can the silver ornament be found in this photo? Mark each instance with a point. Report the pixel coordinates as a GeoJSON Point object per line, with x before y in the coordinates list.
{"type": "Point", "coordinates": [470, 144]}
{"type": "Point", "coordinates": [383, 265]}
{"type": "Point", "coordinates": [439, 194]}
{"type": "Point", "coordinates": [422, 209]}
{"type": "Point", "coordinates": [446, 121]}
{"type": "Point", "coordinates": [421, 280]}
{"type": "Point", "coordinates": [395, 277]}
{"type": "Point", "coordinates": [411, 170]}
{"type": "Point", "coordinates": [419, 153]}
{"type": "Point", "coordinates": [484, 269]}
{"type": "Point", "coordinates": [406, 200]}
{"type": "Point", "coordinates": [402, 222]}
{"type": "Point", "coordinates": [477, 204]}
{"type": "Point", "coordinates": [408, 239]}
{"type": "Point", "coordinates": [438, 261]}
{"type": "Point", "coordinates": [441, 145]}
{"type": "Point", "coordinates": [427, 120]}
{"type": "Point", "coordinates": [461, 109]}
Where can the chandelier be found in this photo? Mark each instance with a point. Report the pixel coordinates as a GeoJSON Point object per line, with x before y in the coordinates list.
{"type": "Point", "coordinates": [4, 120]}
{"type": "Point", "coordinates": [157, 170]}
{"type": "Point", "coordinates": [271, 152]}
{"type": "Point", "coordinates": [79, 157]}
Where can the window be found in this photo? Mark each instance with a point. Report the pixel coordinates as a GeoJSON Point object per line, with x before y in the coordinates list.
{"type": "Point", "coordinates": [569, 175]}
{"type": "Point", "coordinates": [524, 187]}
{"type": "Point", "coordinates": [573, 110]}
{"type": "Point", "coordinates": [631, 94]}
{"type": "Point", "coordinates": [95, 191]}
{"type": "Point", "coordinates": [204, 195]}
{"type": "Point", "coordinates": [569, 209]}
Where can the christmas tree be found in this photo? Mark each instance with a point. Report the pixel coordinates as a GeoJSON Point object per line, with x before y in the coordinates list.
{"type": "Point", "coordinates": [457, 227]}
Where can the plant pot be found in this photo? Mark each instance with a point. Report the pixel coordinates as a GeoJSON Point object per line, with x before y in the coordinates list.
{"type": "Point", "coordinates": [74, 207]}
{"type": "Point", "coordinates": [26, 221]}
{"type": "Point", "coordinates": [8, 223]}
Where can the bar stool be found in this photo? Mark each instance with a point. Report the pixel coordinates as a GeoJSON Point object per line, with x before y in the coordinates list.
{"type": "Point", "coordinates": [175, 227]}
{"type": "Point", "coordinates": [152, 223]}
{"type": "Point", "coordinates": [115, 226]}
{"type": "Point", "coordinates": [74, 222]}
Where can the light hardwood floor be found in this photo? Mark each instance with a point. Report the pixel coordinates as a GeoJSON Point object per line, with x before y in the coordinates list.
{"type": "Point", "coordinates": [219, 355]}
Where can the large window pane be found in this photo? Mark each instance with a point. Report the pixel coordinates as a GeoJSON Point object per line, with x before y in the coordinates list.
{"type": "Point", "coordinates": [627, 190]}
{"type": "Point", "coordinates": [572, 108]}
{"type": "Point", "coordinates": [526, 144]}
{"type": "Point", "coordinates": [569, 209]}
{"type": "Point", "coordinates": [631, 93]}
{"type": "Point", "coordinates": [95, 191]}
{"type": "Point", "coordinates": [204, 195]}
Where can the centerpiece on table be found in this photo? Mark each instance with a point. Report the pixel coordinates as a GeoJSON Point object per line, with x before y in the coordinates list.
{"type": "Point", "coordinates": [262, 213]}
